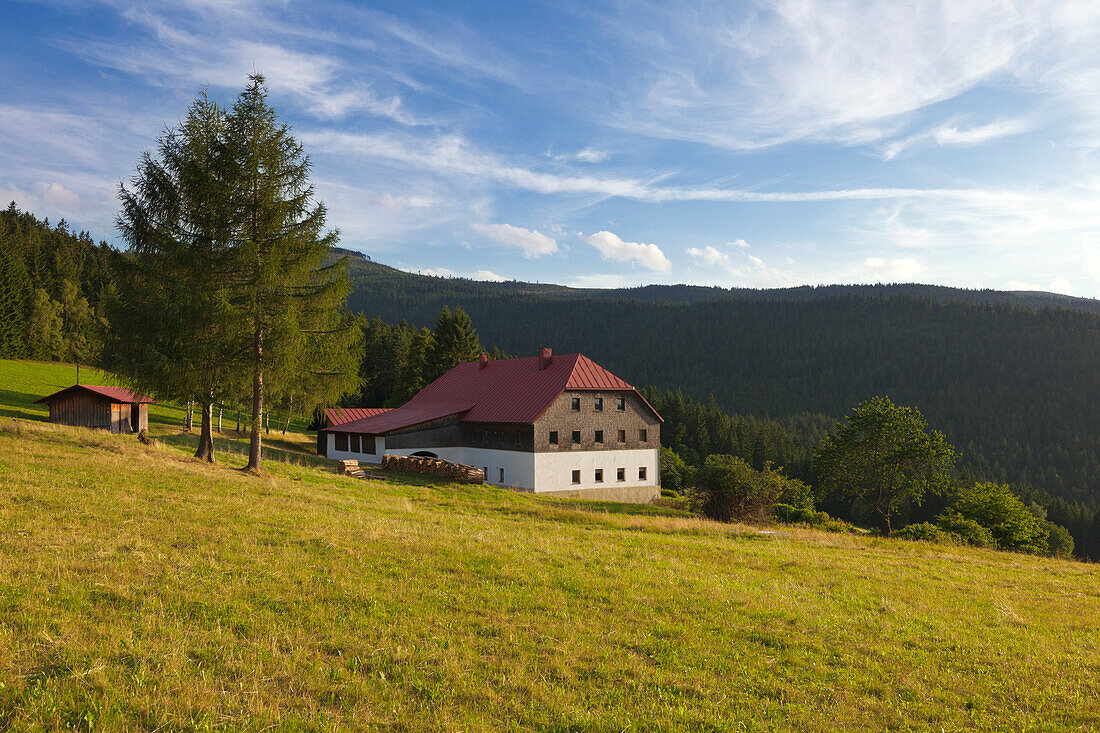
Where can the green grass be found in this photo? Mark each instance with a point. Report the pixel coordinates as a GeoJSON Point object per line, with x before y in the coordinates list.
{"type": "Point", "coordinates": [141, 590]}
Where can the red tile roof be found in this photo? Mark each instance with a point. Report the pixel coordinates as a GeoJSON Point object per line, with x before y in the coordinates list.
{"type": "Point", "coordinates": [115, 394]}
{"type": "Point", "coordinates": [503, 391]}
{"type": "Point", "coordinates": [340, 415]}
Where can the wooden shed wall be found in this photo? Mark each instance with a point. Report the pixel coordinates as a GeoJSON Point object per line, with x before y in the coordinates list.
{"type": "Point", "coordinates": [81, 408]}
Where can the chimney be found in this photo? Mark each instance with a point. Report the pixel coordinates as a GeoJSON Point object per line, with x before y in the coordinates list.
{"type": "Point", "coordinates": [546, 355]}
{"type": "Point", "coordinates": [483, 360]}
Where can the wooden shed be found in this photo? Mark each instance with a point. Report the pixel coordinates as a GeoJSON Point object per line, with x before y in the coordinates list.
{"type": "Point", "coordinates": [113, 408]}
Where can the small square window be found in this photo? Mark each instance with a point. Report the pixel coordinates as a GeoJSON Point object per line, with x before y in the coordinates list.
{"type": "Point", "coordinates": [575, 404]}
{"type": "Point", "coordinates": [620, 404]}
{"type": "Point", "coordinates": [620, 474]}
{"type": "Point", "coordinates": [622, 436]}
{"type": "Point", "coordinates": [501, 474]}
{"type": "Point", "coordinates": [599, 475]}
{"type": "Point", "coordinates": [342, 441]}
{"type": "Point", "coordinates": [599, 436]}
{"type": "Point", "coordinates": [553, 437]}
{"type": "Point", "coordinates": [641, 472]}
{"type": "Point", "coordinates": [354, 443]}
{"type": "Point", "coordinates": [642, 435]}
{"type": "Point", "coordinates": [576, 436]}
{"type": "Point", "coordinates": [599, 404]}
{"type": "Point", "coordinates": [576, 477]}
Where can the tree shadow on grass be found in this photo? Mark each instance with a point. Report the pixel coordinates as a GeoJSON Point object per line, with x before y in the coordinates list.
{"type": "Point", "coordinates": [21, 404]}
{"type": "Point", "coordinates": [284, 451]}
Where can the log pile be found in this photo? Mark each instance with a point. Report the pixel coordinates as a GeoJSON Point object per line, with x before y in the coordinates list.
{"type": "Point", "coordinates": [350, 468]}
{"type": "Point", "coordinates": [435, 467]}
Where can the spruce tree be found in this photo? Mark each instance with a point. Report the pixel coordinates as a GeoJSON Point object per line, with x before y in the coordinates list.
{"type": "Point", "coordinates": [290, 287]}
{"type": "Point", "coordinates": [453, 342]}
{"type": "Point", "coordinates": [173, 331]}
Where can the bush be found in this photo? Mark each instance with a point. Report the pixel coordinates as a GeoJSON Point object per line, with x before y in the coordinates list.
{"type": "Point", "coordinates": [1008, 519]}
{"type": "Point", "coordinates": [730, 489]}
{"type": "Point", "coordinates": [675, 474]}
{"type": "Point", "coordinates": [818, 520]}
{"type": "Point", "coordinates": [796, 494]}
{"type": "Point", "coordinates": [966, 530]}
{"type": "Point", "coordinates": [1059, 540]}
{"type": "Point", "coordinates": [924, 531]}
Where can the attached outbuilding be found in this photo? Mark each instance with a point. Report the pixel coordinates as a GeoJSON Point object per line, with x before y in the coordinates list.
{"type": "Point", "coordinates": [92, 406]}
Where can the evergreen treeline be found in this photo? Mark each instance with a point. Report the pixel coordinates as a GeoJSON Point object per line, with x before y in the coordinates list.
{"type": "Point", "coordinates": [53, 289]}
{"type": "Point", "coordinates": [399, 360]}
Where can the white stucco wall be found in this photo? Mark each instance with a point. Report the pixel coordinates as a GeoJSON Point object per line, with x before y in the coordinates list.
{"type": "Point", "coordinates": [555, 470]}
{"type": "Point", "coordinates": [343, 455]}
{"type": "Point", "coordinates": [532, 471]}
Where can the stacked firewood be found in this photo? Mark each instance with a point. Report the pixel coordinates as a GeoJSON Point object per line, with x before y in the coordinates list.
{"type": "Point", "coordinates": [435, 467]}
{"type": "Point", "coordinates": [351, 468]}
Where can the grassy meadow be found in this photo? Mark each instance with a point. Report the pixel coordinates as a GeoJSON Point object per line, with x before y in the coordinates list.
{"type": "Point", "coordinates": [143, 590]}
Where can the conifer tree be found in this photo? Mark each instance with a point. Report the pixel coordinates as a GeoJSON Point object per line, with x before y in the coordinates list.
{"type": "Point", "coordinates": [290, 288]}
{"type": "Point", "coordinates": [453, 342]}
{"type": "Point", "coordinates": [173, 330]}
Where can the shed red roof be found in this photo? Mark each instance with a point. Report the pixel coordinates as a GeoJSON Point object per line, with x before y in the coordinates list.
{"type": "Point", "coordinates": [503, 391]}
{"type": "Point", "coordinates": [341, 415]}
{"type": "Point", "coordinates": [115, 394]}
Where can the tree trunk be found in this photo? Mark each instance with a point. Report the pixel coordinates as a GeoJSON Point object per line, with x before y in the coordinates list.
{"type": "Point", "coordinates": [255, 445]}
{"type": "Point", "coordinates": [238, 422]}
{"type": "Point", "coordinates": [287, 426]}
{"type": "Point", "coordinates": [220, 409]}
{"type": "Point", "coordinates": [267, 422]}
{"type": "Point", "coordinates": [189, 422]}
{"type": "Point", "coordinates": [205, 450]}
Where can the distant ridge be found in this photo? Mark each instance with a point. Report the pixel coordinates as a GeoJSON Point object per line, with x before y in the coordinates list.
{"type": "Point", "coordinates": [365, 271]}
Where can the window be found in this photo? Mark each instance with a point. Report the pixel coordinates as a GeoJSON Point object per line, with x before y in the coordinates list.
{"type": "Point", "coordinates": [553, 437]}
{"type": "Point", "coordinates": [354, 444]}
{"type": "Point", "coordinates": [342, 441]}
{"type": "Point", "coordinates": [620, 474]}
{"type": "Point", "coordinates": [367, 442]}
{"type": "Point", "coordinates": [599, 404]}
{"type": "Point", "coordinates": [575, 404]}
{"type": "Point", "coordinates": [576, 477]}
{"type": "Point", "coordinates": [501, 474]}
{"type": "Point", "coordinates": [599, 436]}
{"type": "Point", "coordinates": [642, 435]}
{"type": "Point", "coordinates": [620, 404]}
{"type": "Point", "coordinates": [576, 436]}
{"type": "Point", "coordinates": [641, 472]}
{"type": "Point", "coordinates": [622, 436]}
{"type": "Point", "coordinates": [599, 475]}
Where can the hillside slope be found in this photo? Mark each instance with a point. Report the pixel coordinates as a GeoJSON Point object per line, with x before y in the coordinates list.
{"type": "Point", "coordinates": [142, 589]}
{"type": "Point", "coordinates": [1015, 389]}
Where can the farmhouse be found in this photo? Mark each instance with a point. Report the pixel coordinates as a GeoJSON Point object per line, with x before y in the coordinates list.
{"type": "Point", "coordinates": [559, 425]}
{"type": "Point", "coordinates": [114, 408]}
{"type": "Point", "coordinates": [341, 415]}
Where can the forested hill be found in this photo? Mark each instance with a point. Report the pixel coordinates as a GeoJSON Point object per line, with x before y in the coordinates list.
{"type": "Point", "coordinates": [414, 296]}
{"type": "Point", "coordinates": [1012, 382]}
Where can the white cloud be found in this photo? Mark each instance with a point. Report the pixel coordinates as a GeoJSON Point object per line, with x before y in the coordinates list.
{"type": "Point", "coordinates": [952, 134]}
{"type": "Point", "coordinates": [711, 256]}
{"type": "Point", "coordinates": [611, 247]}
{"type": "Point", "coordinates": [584, 155]}
{"type": "Point", "coordinates": [600, 281]}
{"type": "Point", "coordinates": [738, 243]}
{"type": "Point", "coordinates": [484, 275]}
{"type": "Point", "coordinates": [902, 269]}
{"type": "Point", "coordinates": [531, 242]}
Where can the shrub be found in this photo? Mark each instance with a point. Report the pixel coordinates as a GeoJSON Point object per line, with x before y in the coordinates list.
{"type": "Point", "coordinates": [675, 474]}
{"type": "Point", "coordinates": [796, 494]}
{"type": "Point", "coordinates": [1011, 524]}
{"type": "Point", "coordinates": [1059, 540]}
{"type": "Point", "coordinates": [818, 520]}
{"type": "Point", "coordinates": [730, 489]}
{"type": "Point", "coordinates": [967, 530]}
{"type": "Point", "coordinates": [925, 531]}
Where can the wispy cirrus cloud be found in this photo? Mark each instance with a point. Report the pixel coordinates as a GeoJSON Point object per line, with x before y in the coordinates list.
{"type": "Point", "coordinates": [955, 134]}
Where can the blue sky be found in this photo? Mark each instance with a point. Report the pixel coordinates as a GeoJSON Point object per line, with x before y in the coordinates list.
{"type": "Point", "coordinates": [737, 144]}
